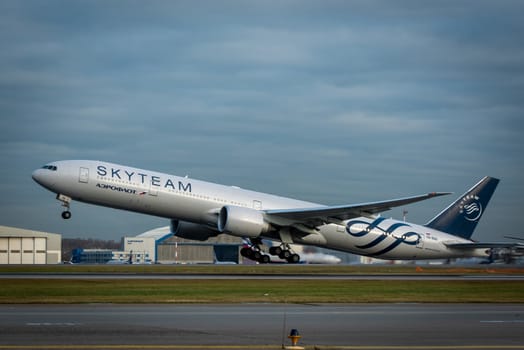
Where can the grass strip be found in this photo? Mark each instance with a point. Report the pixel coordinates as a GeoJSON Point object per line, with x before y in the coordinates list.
{"type": "Point", "coordinates": [262, 269]}
{"type": "Point", "coordinates": [24, 291]}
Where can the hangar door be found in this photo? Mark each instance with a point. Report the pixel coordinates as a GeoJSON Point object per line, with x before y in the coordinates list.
{"type": "Point", "coordinates": [23, 250]}
{"type": "Point", "coordinates": [226, 253]}
{"type": "Point", "coordinates": [4, 249]}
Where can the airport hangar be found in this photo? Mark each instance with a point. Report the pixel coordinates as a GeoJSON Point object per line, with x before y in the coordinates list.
{"type": "Point", "coordinates": [19, 246]}
{"type": "Point", "coordinates": [161, 246]}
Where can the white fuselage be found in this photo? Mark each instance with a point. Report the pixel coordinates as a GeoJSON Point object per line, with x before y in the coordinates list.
{"type": "Point", "coordinates": [199, 202]}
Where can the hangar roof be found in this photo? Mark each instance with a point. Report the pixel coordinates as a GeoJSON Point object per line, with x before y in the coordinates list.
{"type": "Point", "coordinates": [7, 231]}
{"type": "Point", "coordinates": [159, 234]}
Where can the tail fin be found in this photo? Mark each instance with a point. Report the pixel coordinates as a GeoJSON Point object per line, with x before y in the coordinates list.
{"type": "Point", "coordinates": [462, 216]}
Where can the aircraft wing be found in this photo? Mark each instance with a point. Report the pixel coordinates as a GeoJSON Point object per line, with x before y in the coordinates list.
{"type": "Point", "coordinates": [313, 217]}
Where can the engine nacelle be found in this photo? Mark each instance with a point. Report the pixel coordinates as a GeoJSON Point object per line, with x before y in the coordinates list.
{"type": "Point", "coordinates": [241, 222]}
{"type": "Point", "coordinates": [189, 230]}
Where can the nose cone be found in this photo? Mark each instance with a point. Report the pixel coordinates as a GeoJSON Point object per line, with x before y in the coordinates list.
{"type": "Point", "coordinates": [45, 178]}
{"type": "Point", "coordinates": [38, 175]}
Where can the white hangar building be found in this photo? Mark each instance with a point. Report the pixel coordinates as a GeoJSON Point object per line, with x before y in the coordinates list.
{"type": "Point", "coordinates": [19, 246]}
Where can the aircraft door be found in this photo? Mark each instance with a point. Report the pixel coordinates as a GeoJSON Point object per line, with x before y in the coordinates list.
{"type": "Point", "coordinates": [420, 243]}
{"type": "Point", "coordinates": [83, 175]}
{"type": "Point", "coordinates": [153, 190]}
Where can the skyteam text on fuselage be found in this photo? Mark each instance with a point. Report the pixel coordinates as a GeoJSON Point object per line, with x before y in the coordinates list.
{"type": "Point", "coordinates": [199, 210]}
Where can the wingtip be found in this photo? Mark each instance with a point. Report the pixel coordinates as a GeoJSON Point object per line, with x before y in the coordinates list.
{"type": "Point", "coordinates": [437, 194]}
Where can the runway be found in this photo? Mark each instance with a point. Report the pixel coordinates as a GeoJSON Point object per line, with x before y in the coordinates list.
{"type": "Point", "coordinates": [262, 326]}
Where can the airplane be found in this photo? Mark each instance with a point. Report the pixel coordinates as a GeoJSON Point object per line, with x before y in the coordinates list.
{"type": "Point", "coordinates": [199, 210]}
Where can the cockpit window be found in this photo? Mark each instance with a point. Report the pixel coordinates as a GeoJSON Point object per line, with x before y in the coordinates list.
{"type": "Point", "coordinates": [50, 167]}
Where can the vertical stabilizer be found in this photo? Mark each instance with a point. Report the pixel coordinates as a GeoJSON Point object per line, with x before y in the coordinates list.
{"type": "Point", "coordinates": [462, 216]}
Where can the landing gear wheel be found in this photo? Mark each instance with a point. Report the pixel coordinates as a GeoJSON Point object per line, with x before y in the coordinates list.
{"type": "Point", "coordinates": [246, 252]}
{"type": "Point", "coordinates": [293, 259]}
{"type": "Point", "coordinates": [254, 252]}
{"type": "Point", "coordinates": [285, 254]}
{"type": "Point", "coordinates": [264, 259]}
{"type": "Point", "coordinates": [256, 255]}
{"type": "Point", "coordinates": [275, 250]}
{"type": "Point", "coordinates": [66, 201]}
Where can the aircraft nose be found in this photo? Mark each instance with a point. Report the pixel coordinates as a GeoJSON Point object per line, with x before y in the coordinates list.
{"type": "Point", "coordinates": [44, 177]}
{"type": "Point", "coordinates": [37, 175]}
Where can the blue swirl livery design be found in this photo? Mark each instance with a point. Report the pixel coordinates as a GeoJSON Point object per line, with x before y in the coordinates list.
{"type": "Point", "coordinates": [382, 234]}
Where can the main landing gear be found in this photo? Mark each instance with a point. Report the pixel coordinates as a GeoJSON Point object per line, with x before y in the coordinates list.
{"type": "Point", "coordinates": [66, 201]}
{"type": "Point", "coordinates": [285, 252]}
{"type": "Point", "coordinates": [255, 252]}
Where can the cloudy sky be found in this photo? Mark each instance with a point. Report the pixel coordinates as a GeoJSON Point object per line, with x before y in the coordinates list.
{"type": "Point", "coordinates": [335, 102]}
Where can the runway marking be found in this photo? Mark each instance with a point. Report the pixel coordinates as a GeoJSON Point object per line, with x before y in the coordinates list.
{"type": "Point", "coordinates": [52, 324]}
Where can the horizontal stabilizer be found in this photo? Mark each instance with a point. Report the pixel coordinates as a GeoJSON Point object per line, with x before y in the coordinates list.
{"type": "Point", "coordinates": [481, 245]}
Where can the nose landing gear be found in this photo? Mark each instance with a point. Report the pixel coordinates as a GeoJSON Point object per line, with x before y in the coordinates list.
{"type": "Point", "coordinates": [66, 201]}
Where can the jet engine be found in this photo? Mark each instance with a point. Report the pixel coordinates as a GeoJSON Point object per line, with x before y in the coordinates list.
{"type": "Point", "coordinates": [189, 230]}
{"type": "Point", "coordinates": [242, 222]}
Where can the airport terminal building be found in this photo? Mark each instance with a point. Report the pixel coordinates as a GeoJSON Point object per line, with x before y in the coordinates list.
{"type": "Point", "coordinates": [135, 250]}
{"type": "Point", "coordinates": [19, 246]}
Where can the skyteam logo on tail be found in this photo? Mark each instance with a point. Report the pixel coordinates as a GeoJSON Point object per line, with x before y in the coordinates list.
{"type": "Point", "coordinates": [471, 208]}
